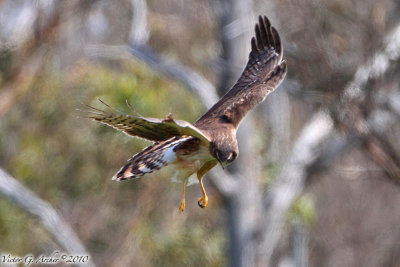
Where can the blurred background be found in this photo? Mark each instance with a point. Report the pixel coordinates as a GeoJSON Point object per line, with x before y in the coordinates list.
{"type": "Point", "coordinates": [317, 179]}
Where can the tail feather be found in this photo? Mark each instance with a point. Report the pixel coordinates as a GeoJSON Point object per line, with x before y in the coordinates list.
{"type": "Point", "coordinates": [150, 159]}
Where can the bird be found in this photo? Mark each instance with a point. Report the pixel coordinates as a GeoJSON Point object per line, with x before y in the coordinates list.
{"type": "Point", "coordinates": [199, 147]}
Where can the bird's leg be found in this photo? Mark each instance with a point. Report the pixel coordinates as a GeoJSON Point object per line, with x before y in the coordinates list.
{"type": "Point", "coordinates": [203, 201]}
{"type": "Point", "coordinates": [182, 205]}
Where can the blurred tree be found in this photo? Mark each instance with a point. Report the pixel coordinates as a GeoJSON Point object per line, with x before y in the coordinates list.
{"type": "Point", "coordinates": [329, 132]}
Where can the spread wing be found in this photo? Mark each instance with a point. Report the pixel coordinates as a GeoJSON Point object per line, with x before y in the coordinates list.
{"type": "Point", "coordinates": [264, 72]}
{"type": "Point", "coordinates": [148, 128]}
{"type": "Point", "coordinates": [151, 159]}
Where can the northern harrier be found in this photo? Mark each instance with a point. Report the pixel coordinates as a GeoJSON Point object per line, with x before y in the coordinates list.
{"type": "Point", "coordinates": [212, 139]}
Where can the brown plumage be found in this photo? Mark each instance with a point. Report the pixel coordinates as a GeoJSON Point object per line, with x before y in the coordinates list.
{"type": "Point", "coordinates": [263, 73]}
{"type": "Point", "coordinates": [198, 148]}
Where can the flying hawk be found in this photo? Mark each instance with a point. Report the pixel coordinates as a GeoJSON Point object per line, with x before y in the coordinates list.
{"type": "Point", "coordinates": [212, 139]}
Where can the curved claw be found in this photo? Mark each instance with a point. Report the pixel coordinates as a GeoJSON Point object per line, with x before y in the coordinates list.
{"type": "Point", "coordinates": [182, 206]}
{"type": "Point", "coordinates": [202, 202]}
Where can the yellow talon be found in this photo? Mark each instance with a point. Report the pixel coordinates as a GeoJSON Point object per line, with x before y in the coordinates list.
{"type": "Point", "coordinates": [203, 201]}
{"type": "Point", "coordinates": [182, 206]}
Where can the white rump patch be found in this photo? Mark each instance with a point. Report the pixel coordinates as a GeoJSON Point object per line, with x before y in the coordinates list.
{"type": "Point", "coordinates": [169, 155]}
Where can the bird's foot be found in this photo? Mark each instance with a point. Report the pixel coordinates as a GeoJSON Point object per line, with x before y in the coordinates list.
{"type": "Point", "coordinates": [182, 206]}
{"type": "Point", "coordinates": [202, 201]}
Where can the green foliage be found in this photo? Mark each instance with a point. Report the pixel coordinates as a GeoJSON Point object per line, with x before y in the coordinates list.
{"type": "Point", "coordinates": [12, 223]}
{"type": "Point", "coordinates": [303, 209]}
{"type": "Point", "coordinates": [201, 247]}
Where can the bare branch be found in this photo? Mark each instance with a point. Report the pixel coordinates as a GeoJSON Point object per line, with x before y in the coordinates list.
{"type": "Point", "coordinates": [139, 28]}
{"type": "Point", "coordinates": [193, 80]}
{"type": "Point", "coordinates": [308, 156]}
{"type": "Point", "coordinates": [236, 19]}
{"type": "Point", "coordinates": [277, 118]}
{"type": "Point", "coordinates": [376, 66]}
{"type": "Point", "coordinates": [350, 112]}
{"type": "Point", "coordinates": [290, 181]}
{"type": "Point", "coordinates": [392, 101]}
{"type": "Point", "coordinates": [297, 254]}
{"type": "Point", "coordinates": [225, 183]}
{"type": "Point", "coordinates": [31, 203]}
{"type": "Point", "coordinates": [295, 171]}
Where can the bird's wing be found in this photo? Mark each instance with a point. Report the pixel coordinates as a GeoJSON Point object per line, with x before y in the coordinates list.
{"type": "Point", "coordinates": [264, 72]}
{"type": "Point", "coordinates": [151, 159]}
{"type": "Point", "coordinates": [148, 128]}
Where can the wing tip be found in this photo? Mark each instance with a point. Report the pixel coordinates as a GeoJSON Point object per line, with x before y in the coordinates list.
{"type": "Point", "coordinates": [266, 36]}
{"type": "Point", "coordinates": [266, 21]}
{"type": "Point", "coordinates": [116, 178]}
{"type": "Point", "coordinates": [122, 174]}
{"type": "Point", "coordinates": [119, 178]}
{"type": "Point", "coordinates": [277, 41]}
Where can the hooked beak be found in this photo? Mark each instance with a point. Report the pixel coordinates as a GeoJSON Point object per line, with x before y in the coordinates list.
{"type": "Point", "coordinates": [223, 164]}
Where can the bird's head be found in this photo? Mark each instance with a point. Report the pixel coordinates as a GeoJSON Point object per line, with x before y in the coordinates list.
{"type": "Point", "coordinates": [225, 154]}
{"type": "Point", "coordinates": [225, 157]}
